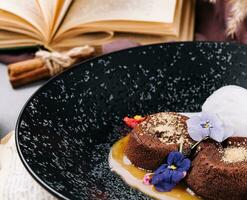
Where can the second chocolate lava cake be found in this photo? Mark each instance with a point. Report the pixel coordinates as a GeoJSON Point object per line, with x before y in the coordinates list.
{"type": "Point", "coordinates": [154, 138]}
{"type": "Point", "coordinates": [220, 172]}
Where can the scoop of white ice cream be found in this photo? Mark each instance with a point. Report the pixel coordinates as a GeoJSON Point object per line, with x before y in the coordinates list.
{"type": "Point", "coordinates": [230, 104]}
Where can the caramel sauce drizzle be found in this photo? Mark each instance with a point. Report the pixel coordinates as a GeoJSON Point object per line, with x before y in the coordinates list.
{"type": "Point", "coordinates": [117, 156]}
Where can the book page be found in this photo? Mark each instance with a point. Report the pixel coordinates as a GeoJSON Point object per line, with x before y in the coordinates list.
{"type": "Point", "coordinates": [48, 9]}
{"type": "Point", "coordinates": [12, 22]}
{"type": "Point", "coordinates": [10, 39]}
{"type": "Point", "coordinates": [80, 39]}
{"type": "Point", "coordinates": [86, 11]}
{"type": "Point", "coordinates": [28, 10]}
{"type": "Point", "coordinates": [53, 13]}
{"type": "Point", "coordinates": [76, 38]}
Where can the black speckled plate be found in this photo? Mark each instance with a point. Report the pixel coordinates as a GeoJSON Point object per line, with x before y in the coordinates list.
{"type": "Point", "coordinates": [66, 129]}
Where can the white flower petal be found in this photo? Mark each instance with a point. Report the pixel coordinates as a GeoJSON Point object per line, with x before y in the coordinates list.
{"type": "Point", "coordinates": [229, 131]}
{"type": "Point", "coordinates": [217, 134]}
{"type": "Point", "coordinates": [195, 133]}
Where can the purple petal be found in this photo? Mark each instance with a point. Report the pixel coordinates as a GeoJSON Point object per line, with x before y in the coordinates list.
{"type": "Point", "coordinates": [164, 186]}
{"type": "Point", "coordinates": [217, 134]}
{"type": "Point", "coordinates": [164, 177]}
{"type": "Point", "coordinates": [195, 130]}
{"type": "Point", "coordinates": [161, 169]}
{"type": "Point", "coordinates": [193, 121]}
{"type": "Point", "coordinates": [205, 132]}
{"type": "Point", "coordinates": [174, 157]}
{"type": "Point", "coordinates": [176, 176]}
{"type": "Point", "coordinates": [213, 118]}
{"type": "Point", "coordinates": [184, 166]}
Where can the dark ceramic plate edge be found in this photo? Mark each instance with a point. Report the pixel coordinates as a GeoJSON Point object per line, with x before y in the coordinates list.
{"type": "Point", "coordinates": [31, 172]}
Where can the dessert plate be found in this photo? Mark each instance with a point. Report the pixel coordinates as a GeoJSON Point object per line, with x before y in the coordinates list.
{"type": "Point", "coordinates": [66, 129]}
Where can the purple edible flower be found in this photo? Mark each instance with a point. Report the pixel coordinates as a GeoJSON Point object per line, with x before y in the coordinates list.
{"type": "Point", "coordinates": [167, 176]}
{"type": "Point", "coordinates": [147, 179]}
{"type": "Point", "coordinates": [207, 125]}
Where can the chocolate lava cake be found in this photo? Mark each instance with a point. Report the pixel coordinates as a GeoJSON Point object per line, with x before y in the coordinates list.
{"type": "Point", "coordinates": [220, 172]}
{"type": "Point", "coordinates": [154, 138]}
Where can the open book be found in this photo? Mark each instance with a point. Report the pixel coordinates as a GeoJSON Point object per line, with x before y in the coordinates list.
{"type": "Point", "coordinates": [63, 24]}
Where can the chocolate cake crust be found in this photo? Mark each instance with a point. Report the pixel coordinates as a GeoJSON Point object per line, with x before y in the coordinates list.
{"type": "Point", "coordinates": [152, 140]}
{"type": "Point", "coordinates": [215, 176]}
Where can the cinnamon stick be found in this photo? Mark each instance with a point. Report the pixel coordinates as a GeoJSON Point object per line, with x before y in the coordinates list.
{"type": "Point", "coordinates": [28, 71]}
{"type": "Point", "coordinates": [24, 66]}
{"type": "Point", "coordinates": [29, 77]}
